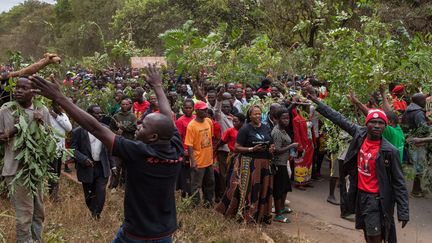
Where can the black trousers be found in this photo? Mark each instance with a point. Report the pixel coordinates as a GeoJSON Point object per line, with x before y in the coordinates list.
{"type": "Point", "coordinates": [184, 180]}
{"type": "Point", "coordinates": [54, 183]}
{"type": "Point", "coordinates": [317, 161]}
{"type": "Point", "coordinates": [94, 192]}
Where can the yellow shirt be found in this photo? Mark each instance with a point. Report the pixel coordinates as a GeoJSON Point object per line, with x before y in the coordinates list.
{"type": "Point", "coordinates": [199, 137]}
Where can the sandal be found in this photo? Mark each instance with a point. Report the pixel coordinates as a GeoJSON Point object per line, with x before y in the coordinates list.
{"type": "Point", "coordinates": [417, 194]}
{"type": "Point", "coordinates": [286, 210]}
{"type": "Point", "coordinates": [301, 188]}
{"type": "Point", "coordinates": [281, 219]}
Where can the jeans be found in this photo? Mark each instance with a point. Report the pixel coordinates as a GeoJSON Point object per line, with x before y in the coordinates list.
{"type": "Point", "coordinates": [121, 237]}
{"type": "Point", "coordinates": [30, 213]}
{"type": "Point", "coordinates": [203, 178]}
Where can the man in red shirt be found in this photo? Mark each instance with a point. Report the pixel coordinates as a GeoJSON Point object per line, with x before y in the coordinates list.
{"type": "Point", "coordinates": [184, 178]}
{"type": "Point", "coordinates": [399, 104]}
{"type": "Point", "coordinates": [140, 105]}
{"type": "Point", "coordinates": [265, 86]}
{"type": "Point", "coordinates": [372, 181]}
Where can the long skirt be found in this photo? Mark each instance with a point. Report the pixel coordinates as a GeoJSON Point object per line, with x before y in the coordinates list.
{"type": "Point", "coordinates": [248, 196]}
{"type": "Point", "coordinates": [303, 167]}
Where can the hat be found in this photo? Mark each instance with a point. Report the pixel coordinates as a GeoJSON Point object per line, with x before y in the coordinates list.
{"type": "Point", "coordinates": [398, 89]}
{"type": "Point", "coordinates": [200, 105]}
{"type": "Point", "coordinates": [376, 113]}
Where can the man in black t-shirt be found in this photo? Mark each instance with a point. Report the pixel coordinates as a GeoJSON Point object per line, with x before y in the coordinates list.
{"type": "Point", "coordinates": [152, 163]}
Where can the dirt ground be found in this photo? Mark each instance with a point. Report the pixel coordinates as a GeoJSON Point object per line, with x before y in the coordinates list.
{"type": "Point", "coordinates": [319, 221]}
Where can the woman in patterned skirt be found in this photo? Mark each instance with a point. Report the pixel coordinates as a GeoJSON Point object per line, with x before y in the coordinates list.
{"type": "Point", "coordinates": [249, 194]}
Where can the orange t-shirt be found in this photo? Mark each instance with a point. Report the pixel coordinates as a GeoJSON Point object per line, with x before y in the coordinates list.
{"type": "Point", "coordinates": [199, 137]}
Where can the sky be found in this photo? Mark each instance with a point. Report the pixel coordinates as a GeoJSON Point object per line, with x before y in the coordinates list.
{"type": "Point", "coordinates": [6, 5]}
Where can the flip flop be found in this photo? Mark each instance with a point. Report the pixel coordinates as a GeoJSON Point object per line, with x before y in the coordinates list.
{"type": "Point", "coordinates": [301, 188]}
{"type": "Point", "coordinates": [349, 217]}
{"type": "Point", "coordinates": [417, 194]}
{"type": "Point", "coordinates": [281, 219]}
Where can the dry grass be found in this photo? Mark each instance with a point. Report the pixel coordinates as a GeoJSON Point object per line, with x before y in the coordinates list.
{"type": "Point", "coordinates": [70, 221]}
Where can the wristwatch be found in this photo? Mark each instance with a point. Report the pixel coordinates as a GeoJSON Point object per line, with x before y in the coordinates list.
{"type": "Point", "coordinates": [250, 149]}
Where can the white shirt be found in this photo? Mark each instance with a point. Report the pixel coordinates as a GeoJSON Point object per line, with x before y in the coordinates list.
{"type": "Point", "coordinates": [96, 147]}
{"type": "Point", "coordinates": [61, 125]}
{"type": "Point", "coordinates": [238, 104]}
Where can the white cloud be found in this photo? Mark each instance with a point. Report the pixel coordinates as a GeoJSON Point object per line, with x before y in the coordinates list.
{"type": "Point", "coordinates": [6, 5]}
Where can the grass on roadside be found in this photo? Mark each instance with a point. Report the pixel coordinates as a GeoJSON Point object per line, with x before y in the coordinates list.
{"type": "Point", "coordinates": [70, 221]}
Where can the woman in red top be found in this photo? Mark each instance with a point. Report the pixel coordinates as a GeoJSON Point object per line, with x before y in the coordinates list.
{"type": "Point", "coordinates": [230, 135]}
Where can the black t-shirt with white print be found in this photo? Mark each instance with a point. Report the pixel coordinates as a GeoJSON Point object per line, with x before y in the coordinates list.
{"type": "Point", "coordinates": [149, 201]}
{"type": "Point", "coordinates": [249, 136]}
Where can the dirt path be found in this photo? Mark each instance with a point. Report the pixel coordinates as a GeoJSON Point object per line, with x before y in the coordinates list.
{"type": "Point", "coordinates": [319, 221]}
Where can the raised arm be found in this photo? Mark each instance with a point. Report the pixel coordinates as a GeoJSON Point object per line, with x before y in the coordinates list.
{"type": "Point", "coordinates": [198, 91]}
{"type": "Point", "coordinates": [85, 120]}
{"type": "Point", "coordinates": [35, 67]}
{"type": "Point", "coordinates": [154, 79]}
{"type": "Point", "coordinates": [362, 107]}
{"type": "Point", "coordinates": [326, 111]}
{"type": "Point", "coordinates": [218, 105]}
{"type": "Point", "coordinates": [386, 104]}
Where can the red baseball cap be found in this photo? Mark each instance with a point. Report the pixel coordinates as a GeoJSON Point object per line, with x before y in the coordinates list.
{"type": "Point", "coordinates": [200, 105]}
{"type": "Point", "coordinates": [376, 113]}
{"type": "Point", "coordinates": [398, 89]}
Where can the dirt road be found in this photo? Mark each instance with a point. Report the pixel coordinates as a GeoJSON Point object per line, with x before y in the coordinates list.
{"type": "Point", "coordinates": [319, 221]}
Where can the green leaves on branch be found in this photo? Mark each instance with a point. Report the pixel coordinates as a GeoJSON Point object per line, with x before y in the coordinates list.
{"type": "Point", "coordinates": [416, 63]}
{"type": "Point", "coordinates": [126, 48]}
{"type": "Point", "coordinates": [358, 60]}
{"type": "Point", "coordinates": [250, 62]}
{"type": "Point", "coordinates": [96, 63]}
{"type": "Point", "coordinates": [194, 53]}
{"type": "Point", "coordinates": [37, 148]}
{"type": "Point", "coordinates": [88, 95]}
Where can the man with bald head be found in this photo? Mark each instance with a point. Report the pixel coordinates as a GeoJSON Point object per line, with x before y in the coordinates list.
{"type": "Point", "coordinates": [152, 163]}
{"type": "Point", "coordinates": [231, 98]}
{"type": "Point", "coordinates": [271, 120]}
{"type": "Point", "coordinates": [416, 121]}
{"type": "Point", "coordinates": [29, 209]}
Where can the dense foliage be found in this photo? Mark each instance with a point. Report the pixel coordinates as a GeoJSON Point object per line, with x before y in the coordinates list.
{"type": "Point", "coordinates": [353, 45]}
{"type": "Point", "coordinates": [76, 28]}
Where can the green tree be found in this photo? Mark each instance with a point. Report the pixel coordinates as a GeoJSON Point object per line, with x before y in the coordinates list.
{"type": "Point", "coordinates": [25, 28]}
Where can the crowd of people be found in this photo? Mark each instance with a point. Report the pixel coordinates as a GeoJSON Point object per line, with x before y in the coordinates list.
{"type": "Point", "coordinates": [236, 148]}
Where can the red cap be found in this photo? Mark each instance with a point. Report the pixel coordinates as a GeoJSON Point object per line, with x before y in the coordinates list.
{"type": "Point", "coordinates": [376, 113]}
{"type": "Point", "coordinates": [398, 89]}
{"type": "Point", "coordinates": [200, 105]}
